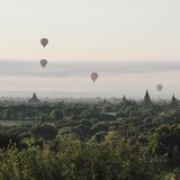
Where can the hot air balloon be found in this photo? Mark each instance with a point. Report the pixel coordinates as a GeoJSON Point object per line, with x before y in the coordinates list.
{"type": "Point", "coordinates": [159, 87]}
{"type": "Point", "coordinates": [94, 76]}
{"type": "Point", "coordinates": [43, 62]}
{"type": "Point", "coordinates": [44, 41]}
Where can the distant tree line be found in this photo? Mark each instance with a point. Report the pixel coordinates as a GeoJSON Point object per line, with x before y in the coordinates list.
{"type": "Point", "coordinates": [106, 141]}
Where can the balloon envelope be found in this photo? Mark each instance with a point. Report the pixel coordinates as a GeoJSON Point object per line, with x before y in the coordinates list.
{"type": "Point", "coordinates": [159, 87]}
{"type": "Point", "coordinates": [94, 76]}
{"type": "Point", "coordinates": [44, 41]}
{"type": "Point", "coordinates": [43, 62]}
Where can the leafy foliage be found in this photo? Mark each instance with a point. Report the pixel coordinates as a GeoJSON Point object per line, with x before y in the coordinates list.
{"type": "Point", "coordinates": [90, 141]}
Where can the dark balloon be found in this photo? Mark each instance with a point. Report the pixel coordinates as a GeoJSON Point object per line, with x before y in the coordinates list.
{"type": "Point", "coordinates": [159, 87]}
{"type": "Point", "coordinates": [43, 62]}
{"type": "Point", "coordinates": [44, 41]}
{"type": "Point", "coordinates": [94, 76]}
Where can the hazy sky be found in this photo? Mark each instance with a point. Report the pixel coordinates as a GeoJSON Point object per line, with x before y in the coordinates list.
{"type": "Point", "coordinates": [93, 36]}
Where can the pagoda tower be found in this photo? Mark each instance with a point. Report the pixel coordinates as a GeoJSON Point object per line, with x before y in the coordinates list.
{"type": "Point", "coordinates": [34, 99]}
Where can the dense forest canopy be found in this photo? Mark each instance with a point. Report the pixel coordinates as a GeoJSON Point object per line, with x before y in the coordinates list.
{"type": "Point", "coordinates": [100, 141]}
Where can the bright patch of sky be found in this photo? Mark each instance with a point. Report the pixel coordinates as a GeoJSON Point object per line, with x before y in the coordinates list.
{"type": "Point", "coordinates": [114, 38]}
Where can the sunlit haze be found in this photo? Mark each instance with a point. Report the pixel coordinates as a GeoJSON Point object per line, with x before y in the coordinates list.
{"type": "Point", "coordinates": [132, 45]}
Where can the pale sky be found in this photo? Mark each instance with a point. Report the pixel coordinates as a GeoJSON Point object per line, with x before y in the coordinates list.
{"type": "Point", "coordinates": [95, 31]}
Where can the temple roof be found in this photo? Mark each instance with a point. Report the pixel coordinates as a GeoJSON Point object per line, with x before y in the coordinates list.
{"type": "Point", "coordinates": [34, 99]}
